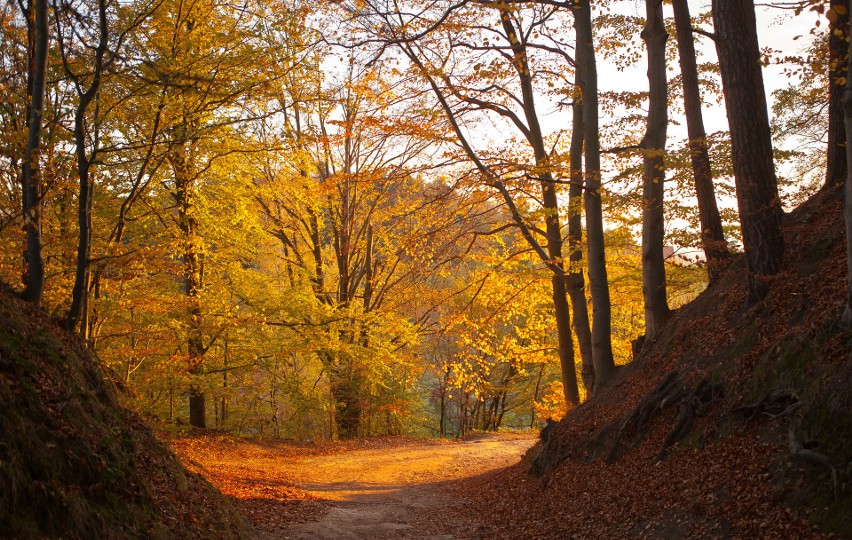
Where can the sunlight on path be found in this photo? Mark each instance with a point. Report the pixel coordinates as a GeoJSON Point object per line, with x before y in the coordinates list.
{"type": "Point", "coordinates": [391, 493]}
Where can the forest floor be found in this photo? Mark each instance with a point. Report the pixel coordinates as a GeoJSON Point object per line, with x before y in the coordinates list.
{"type": "Point", "coordinates": [389, 487]}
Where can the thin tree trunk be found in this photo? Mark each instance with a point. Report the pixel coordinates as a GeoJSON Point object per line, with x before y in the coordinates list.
{"type": "Point", "coordinates": [751, 144]}
{"type": "Point", "coordinates": [654, 173]}
{"type": "Point", "coordinates": [838, 33]}
{"type": "Point", "coordinates": [535, 395]}
{"type": "Point", "coordinates": [553, 227]}
{"type": "Point", "coordinates": [575, 281]}
{"type": "Point", "coordinates": [712, 235]}
{"type": "Point", "coordinates": [79, 294]}
{"type": "Point", "coordinates": [31, 180]}
{"type": "Point", "coordinates": [598, 284]}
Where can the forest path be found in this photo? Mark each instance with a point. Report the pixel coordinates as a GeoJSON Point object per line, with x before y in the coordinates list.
{"type": "Point", "coordinates": [366, 489]}
{"type": "Point", "coordinates": [391, 492]}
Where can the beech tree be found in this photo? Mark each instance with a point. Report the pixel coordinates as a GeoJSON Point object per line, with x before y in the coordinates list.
{"type": "Point", "coordinates": [751, 144]}
{"type": "Point", "coordinates": [517, 40]}
{"type": "Point", "coordinates": [712, 235]}
{"type": "Point", "coordinates": [846, 318]}
{"type": "Point", "coordinates": [576, 282]}
{"type": "Point", "coordinates": [36, 15]}
{"type": "Point", "coordinates": [356, 221]}
{"type": "Point", "coordinates": [211, 62]}
{"type": "Point", "coordinates": [838, 53]}
{"type": "Point", "coordinates": [653, 146]}
{"type": "Point", "coordinates": [587, 78]}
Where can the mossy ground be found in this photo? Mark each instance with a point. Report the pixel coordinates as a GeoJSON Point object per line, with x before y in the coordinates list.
{"type": "Point", "coordinates": [74, 463]}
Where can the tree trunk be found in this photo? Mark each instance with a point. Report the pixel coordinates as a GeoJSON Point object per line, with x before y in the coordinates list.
{"type": "Point", "coordinates": [653, 147]}
{"type": "Point", "coordinates": [751, 144]}
{"type": "Point", "coordinates": [575, 280]}
{"type": "Point", "coordinates": [598, 284]}
{"type": "Point", "coordinates": [346, 395]}
{"type": "Point", "coordinates": [535, 395]}
{"type": "Point", "coordinates": [838, 33]}
{"type": "Point", "coordinates": [84, 222]}
{"type": "Point", "coordinates": [37, 34]}
{"type": "Point", "coordinates": [184, 195]}
{"type": "Point", "coordinates": [553, 226]}
{"type": "Point", "coordinates": [847, 191]}
{"type": "Point", "coordinates": [712, 235]}
{"type": "Point", "coordinates": [80, 291]}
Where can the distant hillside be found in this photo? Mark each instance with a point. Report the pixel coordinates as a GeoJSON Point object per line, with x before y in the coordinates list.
{"type": "Point", "coordinates": [74, 463]}
{"type": "Point", "coordinates": [735, 423]}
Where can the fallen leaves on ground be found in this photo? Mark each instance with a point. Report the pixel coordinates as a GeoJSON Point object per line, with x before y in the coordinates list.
{"type": "Point", "coordinates": [257, 474]}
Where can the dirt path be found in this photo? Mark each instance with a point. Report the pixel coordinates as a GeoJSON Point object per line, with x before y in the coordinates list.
{"type": "Point", "coordinates": [365, 489]}
{"type": "Point", "coordinates": [391, 492]}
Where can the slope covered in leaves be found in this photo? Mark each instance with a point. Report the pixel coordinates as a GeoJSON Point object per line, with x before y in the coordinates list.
{"type": "Point", "coordinates": [74, 463]}
{"type": "Point", "coordinates": [735, 423]}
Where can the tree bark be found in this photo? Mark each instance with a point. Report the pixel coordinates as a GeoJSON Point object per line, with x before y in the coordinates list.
{"type": "Point", "coordinates": [712, 235]}
{"type": "Point", "coordinates": [79, 294]}
{"type": "Point", "coordinates": [838, 33]}
{"type": "Point", "coordinates": [751, 144]}
{"type": "Point", "coordinates": [575, 280]}
{"type": "Point", "coordinates": [653, 147]}
{"type": "Point", "coordinates": [345, 391]}
{"type": "Point", "coordinates": [37, 38]}
{"type": "Point", "coordinates": [553, 226]}
{"type": "Point", "coordinates": [184, 195]}
{"type": "Point", "coordinates": [601, 309]}
{"type": "Point", "coordinates": [847, 190]}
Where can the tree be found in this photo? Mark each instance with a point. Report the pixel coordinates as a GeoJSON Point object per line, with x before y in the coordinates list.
{"type": "Point", "coordinates": [575, 279]}
{"type": "Point", "coordinates": [712, 235]}
{"type": "Point", "coordinates": [211, 62]}
{"type": "Point", "coordinates": [598, 284]}
{"type": "Point", "coordinates": [494, 74]}
{"type": "Point", "coordinates": [847, 189]}
{"type": "Point", "coordinates": [751, 144]}
{"type": "Point", "coordinates": [356, 221]}
{"type": "Point", "coordinates": [838, 35]}
{"type": "Point", "coordinates": [653, 146]}
{"type": "Point", "coordinates": [85, 159]}
{"type": "Point", "coordinates": [36, 15]}
{"type": "Point", "coordinates": [553, 227]}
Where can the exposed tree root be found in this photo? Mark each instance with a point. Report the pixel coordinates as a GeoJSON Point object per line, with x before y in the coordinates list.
{"type": "Point", "coordinates": [692, 406]}
{"type": "Point", "coordinates": [773, 403]}
{"type": "Point", "coordinates": [550, 454]}
{"type": "Point", "coordinates": [799, 452]}
{"type": "Point", "coordinates": [670, 392]}
{"type": "Point", "coordinates": [627, 432]}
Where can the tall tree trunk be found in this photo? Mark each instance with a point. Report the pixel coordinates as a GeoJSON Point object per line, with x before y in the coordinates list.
{"type": "Point", "coordinates": [847, 191]}
{"type": "Point", "coordinates": [751, 144]}
{"type": "Point", "coordinates": [838, 33]}
{"type": "Point", "coordinates": [79, 294]}
{"type": "Point", "coordinates": [575, 280]}
{"type": "Point", "coordinates": [653, 147]}
{"type": "Point", "coordinates": [587, 76]}
{"type": "Point", "coordinates": [712, 235]}
{"type": "Point", "coordinates": [37, 39]}
{"type": "Point", "coordinates": [553, 227]}
{"type": "Point", "coordinates": [184, 195]}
